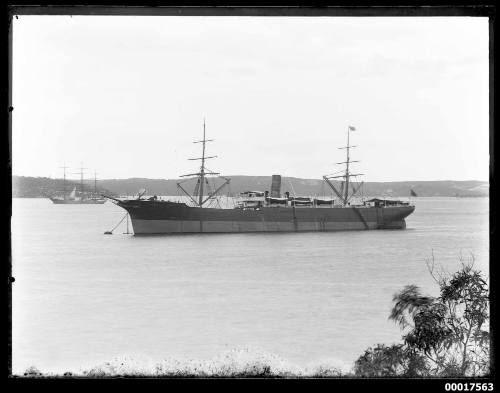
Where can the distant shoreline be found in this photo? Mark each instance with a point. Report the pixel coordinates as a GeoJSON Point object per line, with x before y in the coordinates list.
{"type": "Point", "coordinates": [42, 187]}
{"type": "Point", "coordinates": [388, 197]}
{"type": "Point", "coordinates": [91, 180]}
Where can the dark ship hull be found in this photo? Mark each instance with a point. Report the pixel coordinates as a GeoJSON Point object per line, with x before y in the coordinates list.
{"type": "Point", "coordinates": [163, 217]}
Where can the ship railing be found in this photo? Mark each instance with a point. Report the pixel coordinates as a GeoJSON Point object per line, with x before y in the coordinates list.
{"type": "Point", "coordinates": [251, 198]}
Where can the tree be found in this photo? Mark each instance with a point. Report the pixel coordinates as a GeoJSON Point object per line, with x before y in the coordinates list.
{"type": "Point", "coordinates": [443, 336]}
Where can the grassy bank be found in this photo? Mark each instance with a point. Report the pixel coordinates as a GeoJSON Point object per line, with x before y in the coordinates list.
{"type": "Point", "coordinates": [238, 363]}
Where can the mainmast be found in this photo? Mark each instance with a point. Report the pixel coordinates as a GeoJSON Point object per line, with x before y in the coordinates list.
{"type": "Point", "coordinates": [343, 194]}
{"type": "Point", "coordinates": [202, 173]}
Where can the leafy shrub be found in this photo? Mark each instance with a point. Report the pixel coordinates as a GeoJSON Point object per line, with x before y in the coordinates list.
{"type": "Point", "coordinates": [444, 336]}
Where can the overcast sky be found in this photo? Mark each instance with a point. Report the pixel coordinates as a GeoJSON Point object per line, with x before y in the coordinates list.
{"type": "Point", "coordinates": [126, 96]}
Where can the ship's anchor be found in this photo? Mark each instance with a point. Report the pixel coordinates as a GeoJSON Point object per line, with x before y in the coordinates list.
{"type": "Point", "coordinates": [116, 226]}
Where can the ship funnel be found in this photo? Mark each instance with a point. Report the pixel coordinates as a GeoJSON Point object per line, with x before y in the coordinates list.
{"type": "Point", "coordinates": [276, 186]}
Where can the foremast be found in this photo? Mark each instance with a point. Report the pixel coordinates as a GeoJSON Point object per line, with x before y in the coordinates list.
{"type": "Point", "coordinates": [343, 193]}
{"type": "Point", "coordinates": [201, 175]}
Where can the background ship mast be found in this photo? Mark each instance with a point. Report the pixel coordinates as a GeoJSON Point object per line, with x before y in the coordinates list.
{"type": "Point", "coordinates": [95, 184]}
{"type": "Point", "coordinates": [81, 182]}
{"type": "Point", "coordinates": [64, 180]}
{"type": "Point", "coordinates": [343, 193]}
{"type": "Point", "coordinates": [202, 174]}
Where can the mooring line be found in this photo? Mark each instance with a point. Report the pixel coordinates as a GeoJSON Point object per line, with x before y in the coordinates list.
{"type": "Point", "coordinates": [116, 226]}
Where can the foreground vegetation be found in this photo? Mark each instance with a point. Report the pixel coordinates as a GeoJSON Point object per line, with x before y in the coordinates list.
{"type": "Point", "coordinates": [238, 363]}
{"type": "Point", "coordinates": [443, 336]}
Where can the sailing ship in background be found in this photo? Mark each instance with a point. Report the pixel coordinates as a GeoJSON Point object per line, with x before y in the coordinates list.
{"type": "Point", "coordinates": [260, 212]}
{"type": "Point", "coordinates": [81, 196]}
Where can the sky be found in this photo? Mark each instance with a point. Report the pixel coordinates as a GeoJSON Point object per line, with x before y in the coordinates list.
{"type": "Point", "coordinates": [126, 96]}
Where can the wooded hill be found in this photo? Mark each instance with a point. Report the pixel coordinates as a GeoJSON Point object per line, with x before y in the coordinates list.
{"type": "Point", "coordinates": [42, 187]}
{"type": "Point", "coordinates": [34, 187]}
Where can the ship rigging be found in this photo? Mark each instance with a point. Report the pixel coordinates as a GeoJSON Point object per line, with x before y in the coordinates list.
{"type": "Point", "coordinates": [264, 212]}
{"type": "Point", "coordinates": [343, 193]}
{"type": "Point", "coordinates": [198, 195]}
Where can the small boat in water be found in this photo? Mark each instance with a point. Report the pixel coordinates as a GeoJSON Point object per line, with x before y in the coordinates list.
{"type": "Point", "coordinates": [259, 211]}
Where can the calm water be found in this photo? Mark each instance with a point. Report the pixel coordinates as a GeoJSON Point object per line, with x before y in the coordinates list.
{"type": "Point", "coordinates": [82, 298]}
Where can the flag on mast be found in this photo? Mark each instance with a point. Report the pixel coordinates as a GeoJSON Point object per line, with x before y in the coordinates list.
{"type": "Point", "coordinates": [413, 193]}
{"type": "Point", "coordinates": [351, 128]}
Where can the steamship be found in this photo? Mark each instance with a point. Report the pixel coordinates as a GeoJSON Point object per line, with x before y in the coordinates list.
{"type": "Point", "coordinates": [261, 211]}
